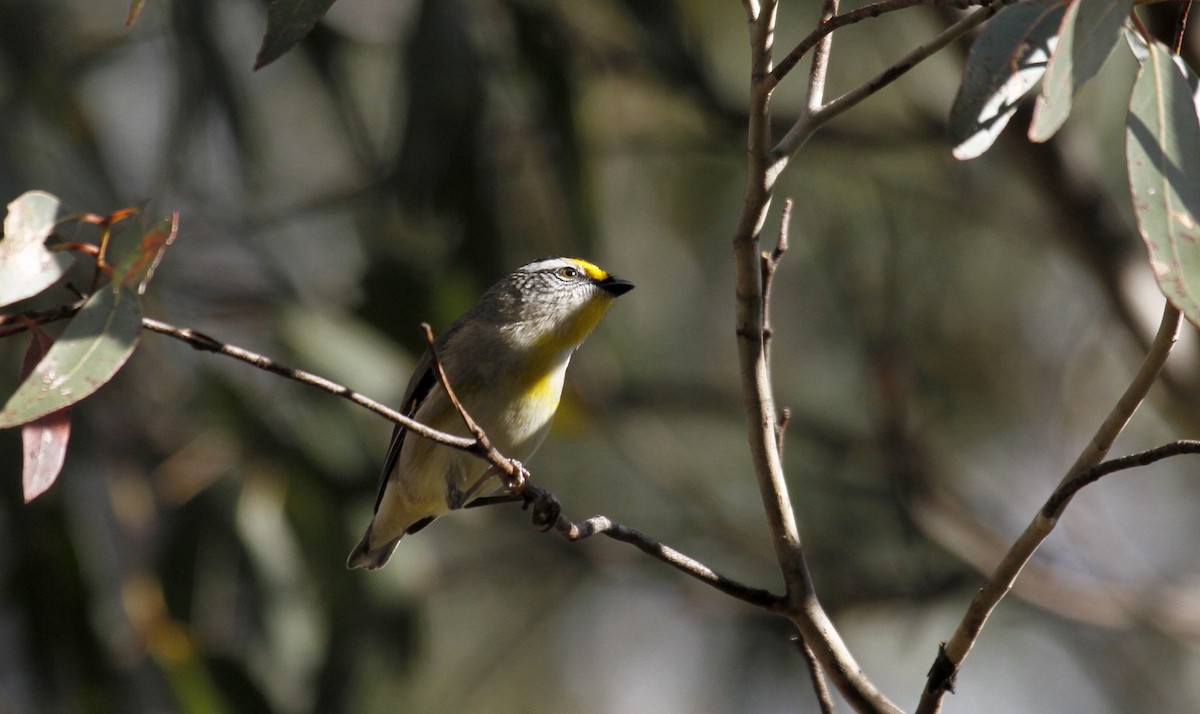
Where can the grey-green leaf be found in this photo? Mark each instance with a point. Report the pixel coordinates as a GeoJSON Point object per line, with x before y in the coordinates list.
{"type": "Point", "coordinates": [92, 348]}
{"type": "Point", "coordinates": [1162, 148]}
{"type": "Point", "coordinates": [288, 21]}
{"type": "Point", "coordinates": [1005, 62]}
{"type": "Point", "coordinates": [26, 267]}
{"type": "Point", "coordinates": [1089, 32]}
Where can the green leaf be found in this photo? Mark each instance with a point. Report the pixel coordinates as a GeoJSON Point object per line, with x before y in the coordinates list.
{"type": "Point", "coordinates": [26, 267]}
{"type": "Point", "coordinates": [1090, 30]}
{"type": "Point", "coordinates": [89, 352]}
{"type": "Point", "coordinates": [136, 266]}
{"type": "Point", "coordinates": [288, 21]}
{"type": "Point", "coordinates": [1162, 148]}
{"type": "Point", "coordinates": [44, 440]}
{"type": "Point", "coordinates": [1005, 61]}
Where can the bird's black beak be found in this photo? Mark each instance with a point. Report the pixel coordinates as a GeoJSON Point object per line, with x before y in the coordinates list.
{"type": "Point", "coordinates": [615, 286]}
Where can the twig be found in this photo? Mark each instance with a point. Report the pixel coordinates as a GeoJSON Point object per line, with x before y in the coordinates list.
{"type": "Point", "coordinates": [832, 22]}
{"type": "Point", "coordinates": [1181, 27]}
{"type": "Point", "coordinates": [516, 473]}
{"type": "Point", "coordinates": [820, 62]}
{"type": "Point", "coordinates": [818, 679]}
{"type": "Point", "coordinates": [768, 264]}
{"type": "Point", "coordinates": [810, 121]}
{"type": "Point", "coordinates": [547, 515]}
{"type": "Point", "coordinates": [18, 322]}
{"type": "Point", "coordinates": [951, 654]}
{"type": "Point", "coordinates": [546, 508]}
{"type": "Point", "coordinates": [803, 608]}
{"type": "Point", "coordinates": [1066, 491]}
{"type": "Point", "coordinates": [204, 343]}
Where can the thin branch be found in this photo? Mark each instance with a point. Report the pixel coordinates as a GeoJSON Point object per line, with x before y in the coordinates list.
{"type": "Point", "coordinates": [951, 654]}
{"type": "Point", "coordinates": [768, 264]}
{"type": "Point", "coordinates": [14, 323]}
{"type": "Point", "coordinates": [802, 606]}
{"type": "Point", "coordinates": [810, 121]}
{"type": "Point", "coordinates": [547, 515]}
{"type": "Point", "coordinates": [515, 472]}
{"type": "Point", "coordinates": [204, 343]}
{"type": "Point", "coordinates": [1066, 491]}
{"type": "Point", "coordinates": [820, 62]}
{"type": "Point", "coordinates": [547, 511]}
{"type": "Point", "coordinates": [832, 21]}
{"type": "Point", "coordinates": [818, 678]}
{"type": "Point", "coordinates": [1181, 27]}
{"type": "Point", "coordinates": [597, 525]}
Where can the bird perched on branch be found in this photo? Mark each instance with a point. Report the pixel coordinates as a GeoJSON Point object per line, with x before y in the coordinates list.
{"type": "Point", "coordinates": [505, 359]}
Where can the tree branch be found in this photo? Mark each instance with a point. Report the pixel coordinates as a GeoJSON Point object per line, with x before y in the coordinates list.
{"type": "Point", "coordinates": [510, 468]}
{"type": "Point", "coordinates": [951, 654]}
{"type": "Point", "coordinates": [547, 511]}
{"type": "Point", "coordinates": [811, 120]}
{"type": "Point", "coordinates": [204, 343]}
{"type": "Point", "coordinates": [19, 322]}
{"type": "Point", "coordinates": [820, 63]}
{"type": "Point", "coordinates": [831, 21]}
{"type": "Point", "coordinates": [547, 514]}
{"type": "Point", "coordinates": [1067, 490]}
{"type": "Point", "coordinates": [763, 168]}
{"type": "Point", "coordinates": [818, 679]}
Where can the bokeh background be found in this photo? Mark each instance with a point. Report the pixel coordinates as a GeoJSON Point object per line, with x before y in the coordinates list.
{"type": "Point", "coordinates": [948, 335]}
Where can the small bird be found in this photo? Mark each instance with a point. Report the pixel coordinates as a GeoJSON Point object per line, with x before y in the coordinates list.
{"type": "Point", "coordinates": [505, 359]}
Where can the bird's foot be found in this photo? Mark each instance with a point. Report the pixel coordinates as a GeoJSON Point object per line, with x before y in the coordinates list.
{"type": "Point", "coordinates": [543, 505]}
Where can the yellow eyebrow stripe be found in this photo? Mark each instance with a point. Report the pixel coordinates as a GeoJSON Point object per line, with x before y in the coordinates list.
{"type": "Point", "coordinates": [593, 271]}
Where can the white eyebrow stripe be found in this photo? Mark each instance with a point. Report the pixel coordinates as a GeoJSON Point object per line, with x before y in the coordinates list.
{"type": "Point", "coordinates": [550, 264]}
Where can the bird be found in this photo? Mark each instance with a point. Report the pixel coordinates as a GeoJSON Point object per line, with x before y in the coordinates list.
{"type": "Point", "coordinates": [505, 358]}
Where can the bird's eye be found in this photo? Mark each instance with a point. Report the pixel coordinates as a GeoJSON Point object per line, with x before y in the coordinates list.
{"type": "Point", "coordinates": [569, 273]}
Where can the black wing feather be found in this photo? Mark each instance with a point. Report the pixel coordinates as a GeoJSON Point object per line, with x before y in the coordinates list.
{"type": "Point", "coordinates": [422, 383]}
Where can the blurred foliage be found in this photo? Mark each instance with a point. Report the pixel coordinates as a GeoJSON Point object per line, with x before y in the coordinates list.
{"type": "Point", "coordinates": [947, 336]}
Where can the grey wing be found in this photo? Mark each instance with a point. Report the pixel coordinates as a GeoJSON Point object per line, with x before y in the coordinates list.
{"type": "Point", "coordinates": [419, 386]}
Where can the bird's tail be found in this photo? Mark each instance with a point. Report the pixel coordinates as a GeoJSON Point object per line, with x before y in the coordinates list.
{"type": "Point", "coordinates": [364, 556]}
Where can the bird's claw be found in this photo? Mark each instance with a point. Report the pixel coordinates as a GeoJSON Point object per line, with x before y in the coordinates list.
{"type": "Point", "coordinates": [515, 481]}
{"type": "Point", "coordinates": [545, 507]}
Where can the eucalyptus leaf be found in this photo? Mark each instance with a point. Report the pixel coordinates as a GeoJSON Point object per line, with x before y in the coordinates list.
{"type": "Point", "coordinates": [1005, 62]}
{"type": "Point", "coordinates": [1089, 32]}
{"type": "Point", "coordinates": [1162, 145]}
{"type": "Point", "coordinates": [26, 266]}
{"type": "Point", "coordinates": [92, 348]}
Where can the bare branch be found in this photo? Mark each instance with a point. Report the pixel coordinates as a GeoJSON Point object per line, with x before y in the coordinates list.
{"type": "Point", "coordinates": [763, 168]}
{"type": "Point", "coordinates": [512, 469]}
{"type": "Point", "coordinates": [14, 323]}
{"type": "Point", "coordinates": [817, 677]}
{"type": "Point", "coordinates": [768, 264]}
{"type": "Point", "coordinates": [820, 63]}
{"type": "Point", "coordinates": [547, 514]}
{"type": "Point", "coordinates": [832, 21]}
{"type": "Point", "coordinates": [1067, 490]}
{"type": "Point", "coordinates": [204, 343]}
{"type": "Point", "coordinates": [547, 511]}
{"type": "Point", "coordinates": [951, 654]}
{"type": "Point", "coordinates": [810, 121]}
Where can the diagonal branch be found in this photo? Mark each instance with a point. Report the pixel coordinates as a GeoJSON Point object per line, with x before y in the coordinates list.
{"type": "Point", "coordinates": [515, 472]}
{"type": "Point", "coordinates": [546, 508]}
{"type": "Point", "coordinates": [204, 343]}
{"type": "Point", "coordinates": [1067, 490]}
{"type": "Point", "coordinates": [811, 120]}
{"type": "Point", "coordinates": [951, 654]}
{"type": "Point", "coordinates": [831, 21]}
